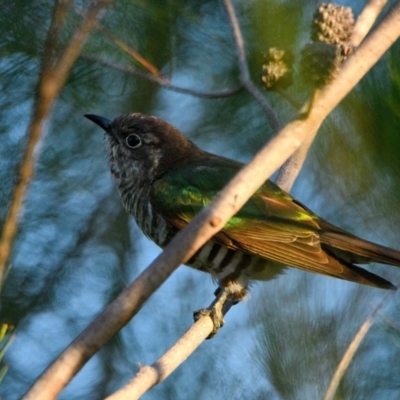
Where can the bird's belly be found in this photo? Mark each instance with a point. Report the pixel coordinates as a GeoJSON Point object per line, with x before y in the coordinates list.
{"type": "Point", "coordinates": [218, 260]}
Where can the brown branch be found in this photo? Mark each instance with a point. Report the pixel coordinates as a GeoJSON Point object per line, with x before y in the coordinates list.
{"type": "Point", "coordinates": [164, 82]}
{"type": "Point", "coordinates": [212, 218]}
{"type": "Point", "coordinates": [123, 46]}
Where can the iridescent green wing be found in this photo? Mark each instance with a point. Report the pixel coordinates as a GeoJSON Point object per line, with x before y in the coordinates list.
{"type": "Point", "coordinates": [271, 224]}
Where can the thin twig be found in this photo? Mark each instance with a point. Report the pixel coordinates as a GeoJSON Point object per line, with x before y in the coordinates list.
{"type": "Point", "coordinates": [123, 46]}
{"type": "Point", "coordinates": [293, 165]}
{"type": "Point", "coordinates": [164, 82]}
{"type": "Point", "coordinates": [150, 375]}
{"type": "Point", "coordinates": [244, 70]}
{"type": "Point", "coordinates": [212, 218]}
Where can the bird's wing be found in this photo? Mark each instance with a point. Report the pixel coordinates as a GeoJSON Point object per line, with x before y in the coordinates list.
{"type": "Point", "coordinates": [271, 224]}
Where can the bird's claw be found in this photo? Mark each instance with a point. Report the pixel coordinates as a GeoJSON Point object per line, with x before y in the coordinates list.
{"type": "Point", "coordinates": [215, 311]}
{"type": "Point", "coordinates": [216, 316]}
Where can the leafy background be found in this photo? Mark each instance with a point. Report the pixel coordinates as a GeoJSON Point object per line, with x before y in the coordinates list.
{"type": "Point", "coordinates": [76, 247]}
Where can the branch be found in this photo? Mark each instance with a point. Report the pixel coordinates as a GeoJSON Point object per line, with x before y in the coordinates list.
{"type": "Point", "coordinates": [164, 82]}
{"type": "Point", "coordinates": [52, 78]}
{"type": "Point", "coordinates": [212, 218]}
{"type": "Point", "coordinates": [154, 75]}
{"type": "Point", "coordinates": [134, 54]}
{"type": "Point", "coordinates": [34, 134]}
{"type": "Point", "coordinates": [244, 70]}
{"type": "Point", "coordinates": [124, 47]}
{"type": "Point", "coordinates": [365, 20]}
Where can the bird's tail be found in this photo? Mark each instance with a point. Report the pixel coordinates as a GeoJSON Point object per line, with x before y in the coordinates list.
{"type": "Point", "coordinates": [349, 250]}
{"type": "Point", "coordinates": [354, 249]}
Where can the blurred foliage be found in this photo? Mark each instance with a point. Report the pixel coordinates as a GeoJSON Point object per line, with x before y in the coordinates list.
{"type": "Point", "coordinates": [77, 248]}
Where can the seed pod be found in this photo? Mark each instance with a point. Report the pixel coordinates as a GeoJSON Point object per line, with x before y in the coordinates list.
{"type": "Point", "coordinates": [332, 24]}
{"type": "Point", "coordinates": [277, 69]}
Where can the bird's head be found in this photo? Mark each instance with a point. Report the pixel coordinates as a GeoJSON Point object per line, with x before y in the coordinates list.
{"type": "Point", "coordinates": [143, 147]}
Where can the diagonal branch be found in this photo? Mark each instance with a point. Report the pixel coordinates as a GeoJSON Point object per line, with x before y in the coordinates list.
{"type": "Point", "coordinates": [212, 218]}
{"type": "Point", "coordinates": [123, 46]}
{"type": "Point", "coordinates": [365, 20]}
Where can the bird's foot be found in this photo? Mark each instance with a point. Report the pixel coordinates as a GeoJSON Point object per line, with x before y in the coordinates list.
{"type": "Point", "coordinates": [217, 309]}
{"type": "Point", "coordinates": [216, 317]}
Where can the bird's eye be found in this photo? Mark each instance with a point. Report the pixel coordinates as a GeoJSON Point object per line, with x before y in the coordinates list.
{"type": "Point", "coordinates": [133, 141]}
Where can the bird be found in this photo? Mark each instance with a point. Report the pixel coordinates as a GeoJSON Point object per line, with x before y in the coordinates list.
{"type": "Point", "coordinates": [164, 180]}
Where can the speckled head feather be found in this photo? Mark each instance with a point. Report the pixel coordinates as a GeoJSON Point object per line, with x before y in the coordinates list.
{"type": "Point", "coordinates": [160, 146]}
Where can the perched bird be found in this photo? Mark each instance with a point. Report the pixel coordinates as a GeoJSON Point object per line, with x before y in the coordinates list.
{"type": "Point", "coordinates": [164, 180]}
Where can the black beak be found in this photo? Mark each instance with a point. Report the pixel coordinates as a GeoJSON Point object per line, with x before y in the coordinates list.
{"type": "Point", "coordinates": [100, 121]}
